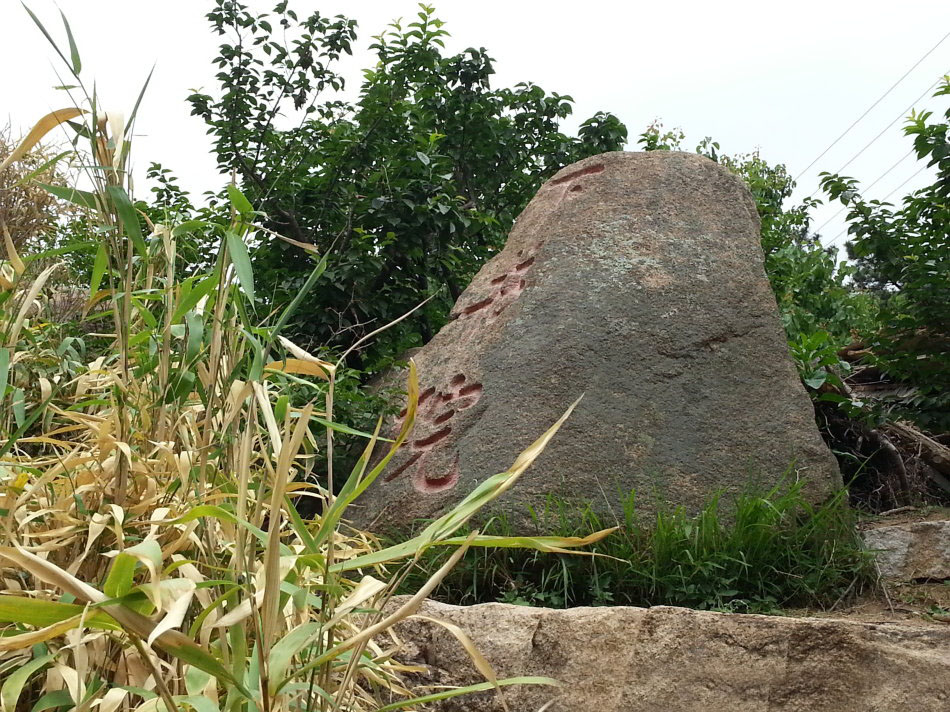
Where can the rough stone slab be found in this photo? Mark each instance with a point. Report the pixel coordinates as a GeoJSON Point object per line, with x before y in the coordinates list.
{"type": "Point", "coordinates": [636, 279]}
{"type": "Point", "coordinates": [911, 551]}
{"type": "Point", "coordinates": [668, 659]}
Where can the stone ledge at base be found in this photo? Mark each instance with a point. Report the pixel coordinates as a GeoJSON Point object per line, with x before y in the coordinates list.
{"type": "Point", "coordinates": [911, 551]}
{"type": "Point", "coordinates": [667, 659]}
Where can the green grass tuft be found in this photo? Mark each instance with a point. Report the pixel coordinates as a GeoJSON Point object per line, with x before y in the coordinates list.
{"type": "Point", "coordinates": [770, 552]}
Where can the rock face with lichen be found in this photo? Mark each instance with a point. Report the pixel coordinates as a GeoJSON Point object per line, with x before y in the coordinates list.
{"type": "Point", "coordinates": [637, 280]}
{"type": "Point", "coordinates": [664, 659]}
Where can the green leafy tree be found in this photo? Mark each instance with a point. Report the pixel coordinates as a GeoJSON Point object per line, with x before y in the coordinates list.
{"type": "Point", "coordinates": [409, 190]}
{"type": "Point", "coordinates": [903, 254]}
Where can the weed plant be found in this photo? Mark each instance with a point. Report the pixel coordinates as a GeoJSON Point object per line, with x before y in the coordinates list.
{"type": "Point", "coordinates": [151, 554]}
{"type": "Point", "coordinates": [764, 553]}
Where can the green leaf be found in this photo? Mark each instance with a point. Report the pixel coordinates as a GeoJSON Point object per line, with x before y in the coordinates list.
{"type": "Point", "coordinates": [36, 171]}
{"type": "Point", "coordinates": [10, 692]}
{"type": "Point", "coordinates": [284, 650]}
{"type": "Point", "coordinates": [240, 203]}
{"type": "Point", "coordinates": [138, 101]}
{"type": "Point", "coordinates": [119, 581]}
{"type": "Point", "coordinates": [816, 380]}
{"type": "Point", "coordinates": [82, 198]}
{"type": "Point", "coordinates": [340, 428]}
{"type": "Point", "coordinates": [73, 50]}
{"type": "Point", "coordinates": [242, 262]}
{"type": "Point", "coordinates": [423, 158]}
{"type": "Point", "coordinates": [128, 216]}
{"type": "Point", "coordinates": [19, 407]}
{"type": "Point", "coordinates": [38, 613]}
{"type": "Point", "coordinates": [196, 333]}
{"type": "Point", "coordinates": [312, 278]}
{"type": "Point", "coordinates": [52, 700]}
{"type": "Point", "coordinates": [190, 226]}
{"type": "Point", "coordinates": [190, 300]}
{"type": "Point", "coordinates": [46, 34]}
{"type": "Point", "coordinates": [98, 269]}
{"type": "Point", "coordinates": [4, 370]}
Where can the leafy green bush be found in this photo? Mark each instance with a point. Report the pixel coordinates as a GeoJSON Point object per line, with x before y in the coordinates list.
{"type": "Point", "coordinates": [903, 255]}
{"type": "Point", "coordinates": [408, 190]}
{"type": "Point", "coordinates": [768, 552]}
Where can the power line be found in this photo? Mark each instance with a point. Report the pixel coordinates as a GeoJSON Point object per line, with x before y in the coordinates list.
{"type": "Point", "coordinates": [883, 131]}
{"type": "Point", "coordinates": [919, 171]}
{"type": "Point", "coordinates": [876, 181]}
{"type": "Point", "coordinates": [908, 180]}
{"type": "Point", "coordinates": [871, 107]}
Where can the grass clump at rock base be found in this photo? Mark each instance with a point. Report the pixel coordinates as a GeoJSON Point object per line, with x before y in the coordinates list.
{"type": "Point", "coordinates": [768, 552]}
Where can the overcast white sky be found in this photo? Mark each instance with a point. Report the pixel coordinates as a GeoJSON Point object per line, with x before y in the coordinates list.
{"type": "Point", "coordinates": [784, 77]}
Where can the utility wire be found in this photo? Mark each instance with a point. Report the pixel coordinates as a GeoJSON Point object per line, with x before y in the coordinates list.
{"type": "Point", "coordinates": [876, 181]}
{"type": "Point", "coordinates": [908, 180]}
{"type": "Point", "coordinates": [871, 107]}
{"type": "Point", "coordinates": [882, 132]}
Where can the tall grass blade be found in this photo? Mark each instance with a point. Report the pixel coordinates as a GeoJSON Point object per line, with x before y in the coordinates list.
{"type": "Point", "coordinates": [39, 130]}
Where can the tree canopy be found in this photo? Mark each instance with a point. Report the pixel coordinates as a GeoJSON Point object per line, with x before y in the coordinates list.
{"type": "Point", "coordinates": [408, 190]}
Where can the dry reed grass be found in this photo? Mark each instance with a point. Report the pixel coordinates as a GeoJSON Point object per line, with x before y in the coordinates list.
{"type": "Point", "coordinates": [151, 555]}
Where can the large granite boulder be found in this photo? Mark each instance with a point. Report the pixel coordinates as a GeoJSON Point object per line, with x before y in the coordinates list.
{"type": "Point", "coordinates": [636, 279]}
{"type": "Point", "coordinates": [668, 659]}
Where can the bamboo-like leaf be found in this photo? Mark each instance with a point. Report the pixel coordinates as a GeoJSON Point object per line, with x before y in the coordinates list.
{"type": "Point", "coordinates": [241, 204]}
{"type": "Point", "coordinates": [37, 613]}
{"type": "Point", "coordinates": [45, 166]}
{"type": "Point", "coordinates": [190, 300]}
{"type": "Point", "coordinates": [46, 34]}
{"type": "Point", "coordinates": [129, 217]}
{"type": "Point", "coordinates": [98, 269]}
{"type": "Point", "coordinates": [284, 650]}
{"type": "Point", "coordinates": [34, 292]}
{"type": "Point", "coordinates": [172, 642]}
{"type": "Point", "coordinates": [35, 637]}
{"type": "Point", "coordinates": [42, 127]}
{"type": "Point", "coordinates": [480, 661]}
{"type": "Point", "coordinates": [138, 100]}
{"type": "Point", "coordinates": [449, 523]}
{"type": "Point", "coordinates": [12, 255]}
{"type": "Point", "coordinates": [308, 246]}
{"type": "Point", "coordinates": [82, 198]}
{"type": "Point", "coordinates": [407, 609]}
{"type": "Point", "coordinates": [303, 355]}
{"type": "Point", "coordinates": [52, 700]}
{"type": "Point", "coordinates": [242, 262]}
{"type": "Point", "coordinates": [4, 370]}
{"type": "Point", "coordinates": [291, 309]}
{"type": "Point", "coordinates": [13, 685]}
{"type": "Point", "coordinates": [467, 690]}
{"type": "Point", "coordinates": [356, 484]}
{"type": "Point", "coordinates": [116, 123]}
{"type": "Point", "coordinates": [550, 544]}
{"type": "Point", "coordinates": [299, 366]}
{"type": "Point", "coordinates": [181, 592]}
{"type": "Point", "coordinates": [121, 574]}
{"type": "Point", "coordinates": [73, 50]}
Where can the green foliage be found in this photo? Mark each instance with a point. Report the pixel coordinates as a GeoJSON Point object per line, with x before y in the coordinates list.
{"type": "Point", "coordinates": [409, 190]}
{"type": "Point", "coordinates": [766, 553]}
{"type": "Point", "coordinates": [903, 255]}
